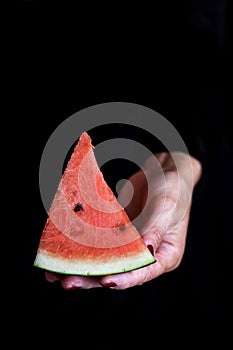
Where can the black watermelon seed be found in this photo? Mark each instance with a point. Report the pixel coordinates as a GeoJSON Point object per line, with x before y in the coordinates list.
{"type": "Point", "coordinates": [78, 207]}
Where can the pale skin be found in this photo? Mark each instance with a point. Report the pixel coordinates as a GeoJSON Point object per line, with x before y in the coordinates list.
{"type": "Point", "coordinates": [163, 223]}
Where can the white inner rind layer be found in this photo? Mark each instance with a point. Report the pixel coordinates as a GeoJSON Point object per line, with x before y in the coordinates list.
{"type": "Point", "coordinates": [90, 268]}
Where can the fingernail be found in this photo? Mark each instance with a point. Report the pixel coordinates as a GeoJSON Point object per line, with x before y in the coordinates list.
{"type": "Point", "coordinates": [109, 284]}
{"type": "Point", "coordinates": [51, 277]}
{"type": "Point", "coordinates": [151, 249]}
{"type": "Point", "coordinates": [73, 287]}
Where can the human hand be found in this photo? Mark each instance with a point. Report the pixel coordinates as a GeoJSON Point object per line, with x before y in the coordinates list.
{"type": "Point", "coordinates": [160, 209]}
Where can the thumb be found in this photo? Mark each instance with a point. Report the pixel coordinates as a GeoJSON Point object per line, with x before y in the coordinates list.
{"type": "Point", "coordinates": [153, 238]}
{"type": "Point", "coordinates": [158, 215]}
{"type": "Point", "coordinates": [161, 216]}
{"type": "Point", "coordinates": [163, 213]}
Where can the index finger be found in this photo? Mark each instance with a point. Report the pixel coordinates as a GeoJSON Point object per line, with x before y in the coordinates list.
{"type": "Point", "coordinates": [133, 278]}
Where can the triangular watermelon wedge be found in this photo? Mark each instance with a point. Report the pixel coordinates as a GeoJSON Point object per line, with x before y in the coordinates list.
{"type": "Point", "coordinates": [87, 231]}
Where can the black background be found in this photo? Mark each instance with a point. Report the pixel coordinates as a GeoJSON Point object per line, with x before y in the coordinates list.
{"type": "Point", "coordinates": [173, 58]}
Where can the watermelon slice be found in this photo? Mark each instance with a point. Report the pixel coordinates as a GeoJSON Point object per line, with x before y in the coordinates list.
{"type": "Point", "coordinates": [87, 231]}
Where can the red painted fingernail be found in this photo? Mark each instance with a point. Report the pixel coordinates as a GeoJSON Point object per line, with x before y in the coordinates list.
{"type": "Point", "coordinates": [109, 284]}
{"type": "Point", "coordinates": [73, 287]}
{"type": "Point", "coordinates": [151, 249]}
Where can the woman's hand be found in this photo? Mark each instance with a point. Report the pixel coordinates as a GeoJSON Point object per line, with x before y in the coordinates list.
{"type": "Point", "coordinates": [160, 209]}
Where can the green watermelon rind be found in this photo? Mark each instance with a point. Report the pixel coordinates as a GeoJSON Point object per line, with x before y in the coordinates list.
{"type": "Point", "coordinates": [78, 268]}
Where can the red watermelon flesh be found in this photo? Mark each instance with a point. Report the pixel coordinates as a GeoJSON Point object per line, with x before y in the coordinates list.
{"type": "Point", "coordinates": [87, 231]}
